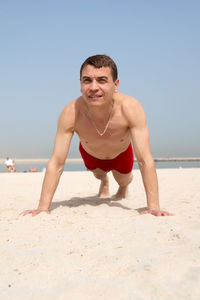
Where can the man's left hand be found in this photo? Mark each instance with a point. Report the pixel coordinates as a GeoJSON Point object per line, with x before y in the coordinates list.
{"type": "Point", "coordinates": [156, 213]}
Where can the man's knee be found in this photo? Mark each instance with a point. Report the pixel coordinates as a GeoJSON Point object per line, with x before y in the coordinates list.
{"type": "Point", "coordinates": [99, 174]}
{"type": "Point", "coordinates": [123, 179]}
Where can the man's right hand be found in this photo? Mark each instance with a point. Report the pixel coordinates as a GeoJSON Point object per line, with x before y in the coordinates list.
{"type": "Point", "coordinates": [34, 212]}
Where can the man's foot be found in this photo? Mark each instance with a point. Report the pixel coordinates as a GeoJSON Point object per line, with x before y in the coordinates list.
{"type": "Point", "coordinates": [104, 189]}
{"type": "Point", "coordinates": [121, 193]}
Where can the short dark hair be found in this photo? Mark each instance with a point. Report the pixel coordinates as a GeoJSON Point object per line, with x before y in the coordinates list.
{"type": "Point", "coordinates": [98, 61]}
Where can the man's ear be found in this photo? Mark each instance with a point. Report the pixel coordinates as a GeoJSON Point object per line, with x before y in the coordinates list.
{"type": "Point", "coordinates": [116, 84]}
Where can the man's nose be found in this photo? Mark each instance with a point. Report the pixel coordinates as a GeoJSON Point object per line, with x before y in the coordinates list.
{"type": "Point", "coordinates": [94, 85]}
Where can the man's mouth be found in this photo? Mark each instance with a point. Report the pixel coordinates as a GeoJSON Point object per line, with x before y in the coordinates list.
{"type": "Point", "coordinates": [94, 96]}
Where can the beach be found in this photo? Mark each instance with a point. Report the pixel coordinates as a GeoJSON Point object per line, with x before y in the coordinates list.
{"type": "Point", "coordinates": [91, 249]}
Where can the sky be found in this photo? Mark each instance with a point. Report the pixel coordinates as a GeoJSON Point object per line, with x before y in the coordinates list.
{"type": "Point", "coordinates": [155, 44]}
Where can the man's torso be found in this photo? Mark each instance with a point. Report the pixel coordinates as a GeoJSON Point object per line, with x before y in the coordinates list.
{"type": "Point", "coordinates": [116, 138]}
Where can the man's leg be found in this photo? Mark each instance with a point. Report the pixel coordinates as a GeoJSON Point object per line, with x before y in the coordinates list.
{"type": "Point", "coordinates": [123, 180]}
{"type": "Point", "coordinates": [104, 186]}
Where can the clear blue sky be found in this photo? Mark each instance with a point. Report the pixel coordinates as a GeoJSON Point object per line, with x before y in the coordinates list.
{"type": "Point", "coordinates": [156, 45]}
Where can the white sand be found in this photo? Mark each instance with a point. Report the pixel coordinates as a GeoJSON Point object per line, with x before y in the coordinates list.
{"type": "Point", "coordinates": [89, 248]}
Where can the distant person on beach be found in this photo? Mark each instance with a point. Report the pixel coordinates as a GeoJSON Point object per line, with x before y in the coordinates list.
{"type": "Point", "coordinates": [14, 166]}
{"type": "Point", "coordinates": [32, 170]}
{"type": "Point", "coordinates": [9, 165]}
{"type": "Point", "coordinates": [106, 122]}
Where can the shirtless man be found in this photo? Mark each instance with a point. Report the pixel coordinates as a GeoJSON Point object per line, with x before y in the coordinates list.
{"type": "Point", "coordinates": [106, 122]}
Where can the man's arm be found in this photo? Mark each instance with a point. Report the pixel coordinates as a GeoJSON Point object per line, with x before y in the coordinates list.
{"type": "Point", "coordinates": [140, 137]}
{"type": "Point", "coordinates": [56, 163]}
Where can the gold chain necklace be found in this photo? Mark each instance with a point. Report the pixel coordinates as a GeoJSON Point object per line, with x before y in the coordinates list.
{"type": "Point", "coordinates": [94, 125]}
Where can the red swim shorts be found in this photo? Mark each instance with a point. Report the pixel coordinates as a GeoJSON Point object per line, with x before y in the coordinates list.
{"type": "Point", "coordinates": [123, 163]}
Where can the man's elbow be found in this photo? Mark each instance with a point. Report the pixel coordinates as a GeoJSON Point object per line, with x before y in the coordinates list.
{"type": "Point", "coordinates": [146, 163]}
{"type": "Point", "coordinates": [55, 166]}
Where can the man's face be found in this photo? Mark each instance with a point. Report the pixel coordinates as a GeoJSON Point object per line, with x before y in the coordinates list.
{"type": "Point", "coordinates": [97, 85]}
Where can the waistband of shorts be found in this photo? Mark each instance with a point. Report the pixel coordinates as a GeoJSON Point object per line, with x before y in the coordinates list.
{"type": "Point", "coordinates": [82, 149]}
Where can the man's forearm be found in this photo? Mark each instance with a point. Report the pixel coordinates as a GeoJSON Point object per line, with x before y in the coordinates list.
{"type": "Point", "coordinates": [150, 182]}
{"type": "Point", "coordinates": [50, 183]}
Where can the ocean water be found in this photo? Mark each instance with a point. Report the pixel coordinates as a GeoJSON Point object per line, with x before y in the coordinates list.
{"type": "Point", "coordinates": [79, 166]}
{"type": "Point", "coordinates": [24, 167]}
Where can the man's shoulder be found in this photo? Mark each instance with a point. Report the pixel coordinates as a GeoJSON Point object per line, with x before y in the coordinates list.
{"type": "Point", "coordinates": [70, 113]}
{"type": "Point", "coordinates": [72, 108]}
{"type": "Point", "coordinates": [131, 109]}
{"type": "Point", "coordinates": [127, 102]}
{"type": "Point", "coordinates": [72, 105]}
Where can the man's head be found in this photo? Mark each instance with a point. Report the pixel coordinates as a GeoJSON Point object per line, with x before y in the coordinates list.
{"type": "Point", "coordinates": [98, 83]}
{"type": "Point", "coordinates": [99, 61]}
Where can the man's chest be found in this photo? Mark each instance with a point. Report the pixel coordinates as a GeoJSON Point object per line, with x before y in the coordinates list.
{"type": "Point", "coordinates": [114, 129]}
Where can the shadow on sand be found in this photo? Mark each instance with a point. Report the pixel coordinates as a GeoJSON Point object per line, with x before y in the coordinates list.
{"type": "Point", "coordinates": [93, 201]}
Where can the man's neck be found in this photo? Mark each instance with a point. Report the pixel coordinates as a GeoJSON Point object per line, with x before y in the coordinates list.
{"type": "Point", "coordinates": [100, 112]}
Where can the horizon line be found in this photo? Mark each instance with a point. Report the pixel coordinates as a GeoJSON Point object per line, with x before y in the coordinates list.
{"type": "Point", "coordinates": [78, 160]}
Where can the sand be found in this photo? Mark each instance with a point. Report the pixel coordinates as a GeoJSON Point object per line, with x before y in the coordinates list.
{"type": "Point", "coordinates": [90, 248]}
